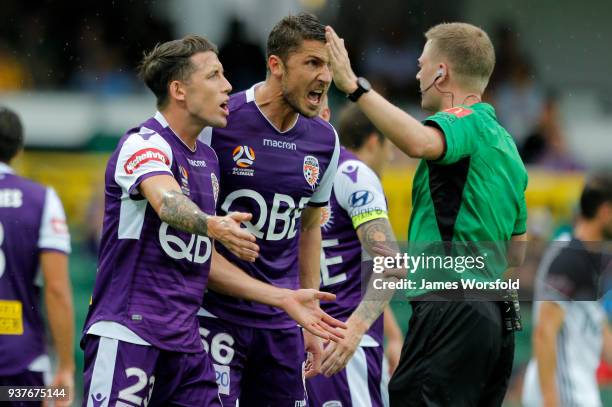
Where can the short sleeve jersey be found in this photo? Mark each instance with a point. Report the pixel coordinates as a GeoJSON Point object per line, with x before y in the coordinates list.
{"type": "Point", "coordinates": [571, 274]}
{"type": "Point", "coordinates": [272, 175]}
{"type": "Point", "coordinates": [151, 277]}
{"type": "Point", "coordinates": [32, 221]}
{"type": "Point", "coordinates": [475, 192]}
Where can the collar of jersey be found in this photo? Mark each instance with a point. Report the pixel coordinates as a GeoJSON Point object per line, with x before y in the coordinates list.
{"type": "Point", "coordinates": [250, 97]}
{"type": "Point", "coordinates": [162, 120]}
{"type": "Point", "coordinates": [5, 169]}
{"type": "Point", "coordinates": [483, 106]}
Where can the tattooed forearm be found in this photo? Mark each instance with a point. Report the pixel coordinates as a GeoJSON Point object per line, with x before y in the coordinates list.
{"type": "Point", "coordinates": [377, 231]}
{"type": "Point", "coordinates": [181, 213]}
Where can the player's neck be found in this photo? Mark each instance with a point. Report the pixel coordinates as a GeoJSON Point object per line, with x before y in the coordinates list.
{"type": "Point", "coordinates": [588, 231]}
{"type": "Point", "coordinates": [459, 97]}
{"type": "Point", "coordinates": [367, 159]}
{"type": "Point", "coordinates": [271, 102]}
{"type": "Point", "coordinates": [183, 126]}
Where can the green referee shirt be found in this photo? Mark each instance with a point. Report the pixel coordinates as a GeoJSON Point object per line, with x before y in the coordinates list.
{"type": "Point", "coordinates": [475, 192]}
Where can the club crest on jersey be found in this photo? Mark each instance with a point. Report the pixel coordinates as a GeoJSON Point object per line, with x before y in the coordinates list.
{"type": "Point", "coordinates": [215, 186]}
{"type": "Point", "coordinates": [311, 170]}
{"type": "Point", "coordinates": [244, 157]}
{"type": "Point", "coordinates": [143, 156]}
{"type": "Point", "coordinates": [327, 218]}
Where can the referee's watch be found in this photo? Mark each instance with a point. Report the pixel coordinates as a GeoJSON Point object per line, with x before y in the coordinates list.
{"type": "Point", "coordinates": [363, 86]}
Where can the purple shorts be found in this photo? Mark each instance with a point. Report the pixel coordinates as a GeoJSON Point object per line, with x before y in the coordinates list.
{"type": "Point", "coordinates": [260, 367]}
{"type": "Point", "coordinates": [359, 384]}
{"type": "Point", "coordinates": [26, 378]}
{"type": "Point", "coordinates": [124, 374]}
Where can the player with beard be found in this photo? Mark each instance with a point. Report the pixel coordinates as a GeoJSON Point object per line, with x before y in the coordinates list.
{"type": "Point", "coordinates": [277, 161]}
{"type": "Point", "coordinates": [141, 337]}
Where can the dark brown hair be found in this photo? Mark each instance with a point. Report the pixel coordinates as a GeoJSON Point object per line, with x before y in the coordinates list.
{"type": "Point", "coordinates": [597, 191]}
{"type": "Point", "coordinates": [289, 33]}
{"type": "Point", "coordinates": [354, 128]}
{"type": "Point", "coordinates": [11, 134]}
{"type": "Point", "coordinates": [171, 61]}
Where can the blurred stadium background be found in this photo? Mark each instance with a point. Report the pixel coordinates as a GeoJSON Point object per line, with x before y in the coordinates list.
{"type": "Point", "coordinates": [69, 70]}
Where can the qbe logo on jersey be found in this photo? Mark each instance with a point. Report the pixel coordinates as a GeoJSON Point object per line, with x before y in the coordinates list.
{"type": "Point", "coordinates": [311, 170]}
{"type": "Point", "coordinates": [244, 157]}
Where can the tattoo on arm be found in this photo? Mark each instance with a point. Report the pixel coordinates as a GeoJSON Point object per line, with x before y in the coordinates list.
{"type": "Point", "coordinates": [181, 213]}
{"type": "Point", "coordinates": [377, 231]}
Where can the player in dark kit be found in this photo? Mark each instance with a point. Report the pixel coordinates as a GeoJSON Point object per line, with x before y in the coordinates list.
{"type": "Point", "coordinates": [141, 338]}
{"type": "Point", "coordinates": [34, 247]}
{"type": "Point", "coordinates": [571, 333]}
{"type": "Point", "coordinates": [277, 161]}
{"type": "Point", "coordinates": [468, 187]}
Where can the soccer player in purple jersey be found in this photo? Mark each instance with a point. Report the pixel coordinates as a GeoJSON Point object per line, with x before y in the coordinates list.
{"type": "Point", "coordinates": [357, 204]}
{"type": "Point", "coordinates": [277, 160]}
{"type": "Point", "coordinates": [34, 247]}
{"type": "Point", "coordinates": [141, 337]}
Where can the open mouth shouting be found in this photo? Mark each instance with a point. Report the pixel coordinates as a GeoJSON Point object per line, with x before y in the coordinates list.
{"type": "Point", "coordinates": [315, 96]}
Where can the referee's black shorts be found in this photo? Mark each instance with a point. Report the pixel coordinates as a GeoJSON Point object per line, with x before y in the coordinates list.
{"type": "Point", "coordinates": [455, 354]}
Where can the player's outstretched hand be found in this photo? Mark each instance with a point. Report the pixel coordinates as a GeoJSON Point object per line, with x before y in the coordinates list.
{"type": "Point", "coordinates": [303, 306]}
{"type": "Point", "coordinates": [344, 77]}
{"type": "Point", "coordinates": [337, 354]}
{"type": "Point", "coordinates": [227, 231]}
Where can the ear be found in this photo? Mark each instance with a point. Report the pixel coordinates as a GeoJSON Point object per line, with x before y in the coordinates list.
{"type": "Point", "coordinates": [443, 72]}
{"type": "Point", "coordinates": [176, 90]}
{"type": "Point", "coordinates": [605, 211]}
{"type": "Point", "coordinates": [276, 65]}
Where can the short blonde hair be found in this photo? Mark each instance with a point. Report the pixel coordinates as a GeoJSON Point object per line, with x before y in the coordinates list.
{"type": "Point", "coordinates": [468, 49]}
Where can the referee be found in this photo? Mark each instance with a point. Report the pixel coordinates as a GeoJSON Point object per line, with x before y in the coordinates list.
{"type": "Point", "coordinates": [468, 187]}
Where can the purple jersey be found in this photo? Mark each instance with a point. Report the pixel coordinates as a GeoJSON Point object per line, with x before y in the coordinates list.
{"type": "Point", "coordinates": [151, 277]}
{"type": "Point", "coordinates": [32, 220]}
{"type": "Point", "coordinates": [357, 198]}
{"type": "Point", "coordinates": [272, 175]}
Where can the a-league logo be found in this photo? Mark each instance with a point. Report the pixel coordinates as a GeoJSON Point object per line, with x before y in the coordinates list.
{"type": "Point", "coordinates": [243, 156]}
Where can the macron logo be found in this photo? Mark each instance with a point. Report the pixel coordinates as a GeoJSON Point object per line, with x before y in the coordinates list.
{"type": "Point", "coordinates": [279, 144]}
{"type": "Point", "coordinates": [143, 156]}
